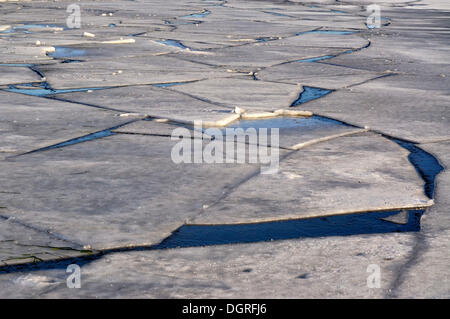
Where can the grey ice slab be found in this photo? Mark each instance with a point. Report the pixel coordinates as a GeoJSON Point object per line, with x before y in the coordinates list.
{"type": "Point", "coordinates": [128, 71]}
{"type": "Point", "coordinates": [21, 53]}
{"type": "Point", "coordinates": [13, 75]}
{"type": "Point", "coordinates": [334, 177]}
{"type": "Point", "coordinates": [316, 75]}
{"type": "Point", "coordinates": [112, 192]}
{"type": "Point", "coordinates": [409, 113]}
{"type": "Point", "coordinates": [28, 123]}
{"type": "Point", "coordinates": [333, 267]}
{"type": "Point", "coordinates": [246, 94]}
{"type": "Point", "coordinates": [427, 275]}
{"type": "Point", "coordinates": [114, 28]}
{"type": "Point", "coordinates": [155, 101]}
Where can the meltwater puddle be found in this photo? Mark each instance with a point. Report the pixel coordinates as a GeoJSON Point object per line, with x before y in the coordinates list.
{"type": "Point", "coordinates": [342, 225]}
{"type": "Point", "coordinates": [310, 93]}
{"type": "Point", "coordinates": [44, 89]}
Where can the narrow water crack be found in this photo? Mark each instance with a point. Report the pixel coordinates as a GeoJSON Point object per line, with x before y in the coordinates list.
{"type": "Point", "coordinates": [86, 104]}
{"type": "Point", "coordinates": [202, 14]}
{"type": "Point", "coordinates": [207, 235]}
{"type": "Point", "coordinates": [332, 32]}
{"type": "Point", "coordinates": [327, 57]}
{"type": "Point", "coordinates": [417, 249]}
{"type": "Point", "coordinates": [342, 225]}
{"type": "Point", "coordinates": [85, 138]}
{"type": "Point", "coordinates": [310, 93]}
{"type": "Point", "coordinates": [65, 54]}
{"type": "Point", "coordinates": [44, 89]}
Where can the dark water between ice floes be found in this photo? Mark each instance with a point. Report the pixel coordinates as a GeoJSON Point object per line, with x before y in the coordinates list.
{"type": "Point", "coordinates": [344, 225]}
